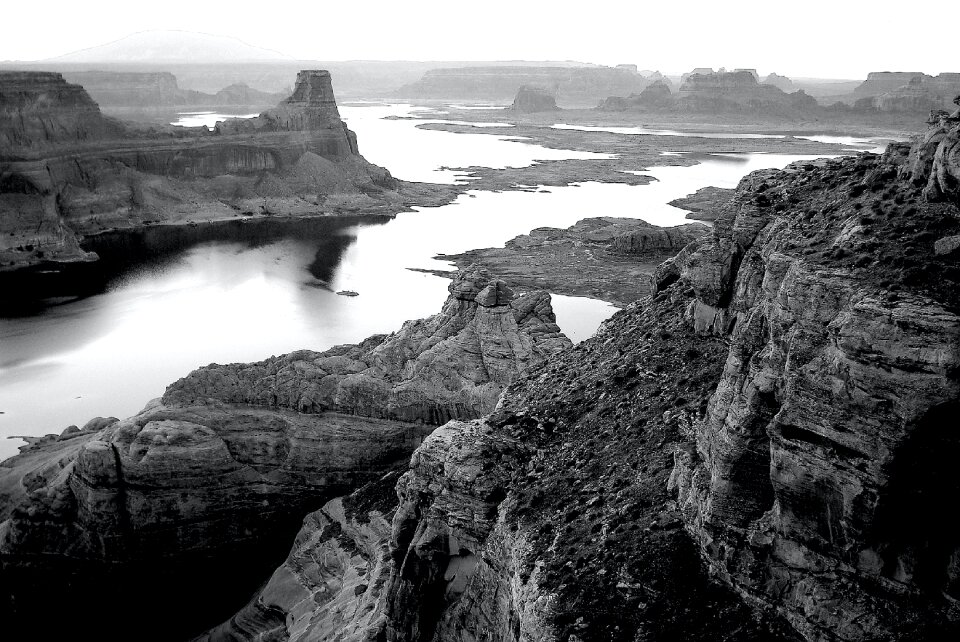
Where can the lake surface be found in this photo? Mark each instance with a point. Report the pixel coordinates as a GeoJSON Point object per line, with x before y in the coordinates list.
{"type": "Point", "coordinates": [254, 292]}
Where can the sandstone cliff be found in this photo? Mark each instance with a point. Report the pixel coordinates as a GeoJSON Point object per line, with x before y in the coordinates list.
{"type": "Point", "coordinates": [781, 411]}
{"type": "Point", "coordinates": [67, 171]}
{"type": "Point", "coordinates": [160, 506]}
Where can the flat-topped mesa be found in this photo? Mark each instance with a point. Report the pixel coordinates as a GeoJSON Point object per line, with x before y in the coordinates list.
{"type": "Point", "coordinates": [39, 108]}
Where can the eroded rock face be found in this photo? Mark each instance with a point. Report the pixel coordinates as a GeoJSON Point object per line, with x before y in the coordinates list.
{"type": "Point", "coordinates": [935, 158]}
{"type": "Point", "coordinates": [228, 461]}
{"type": "Point", "coordinates": [821, 463]}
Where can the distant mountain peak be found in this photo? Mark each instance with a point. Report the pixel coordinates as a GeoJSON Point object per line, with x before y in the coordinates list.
{"type": "Point", "coordinates": [172, 46]}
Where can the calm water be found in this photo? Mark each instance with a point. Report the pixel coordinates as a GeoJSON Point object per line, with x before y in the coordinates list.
{"type": "Point", "coordinates": [207, 118]}
{"type": "Point", "coordinates": [249, 296]}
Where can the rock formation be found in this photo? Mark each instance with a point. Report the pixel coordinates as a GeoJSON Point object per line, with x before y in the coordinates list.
{"type": "Point", "coordinates": [609, 258]}
{"type": "Point", "coordinates": [533, 99]}
{"type": "Point", "coordinates": [573, 86]}
{"type": "Point", "coordinates": [739, 91]}
{"type": "Point", "coordinates": [68, 171]}
{"type": "Point", "coordinates": [781, 410]}
{"type": "Point", "coordinates": [704, 204]}
{"type": "Point", "coordinates": [707, 91]}
{"type": "Point", "coordinates": [657, 96]}
{"type": "Point", "coordinates": [160, 506]}
{"type": "Point", "coordinates": [906, 92]}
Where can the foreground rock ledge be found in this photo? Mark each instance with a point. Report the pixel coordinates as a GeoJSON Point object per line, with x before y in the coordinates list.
{"type": "Point", "coordinates": [161, 506]}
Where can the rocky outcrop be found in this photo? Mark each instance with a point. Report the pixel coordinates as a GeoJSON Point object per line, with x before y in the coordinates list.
{"type": "Point", "coordinates": [67, 171]}
{"type": "Point", "coordinates": [704, 204]}
{"type": "Point", "coordinates": [160, 506]}
{"type": "Point", "coordinates": [609, 258]}
{"type": "Point", "coordinates": [533, 99]}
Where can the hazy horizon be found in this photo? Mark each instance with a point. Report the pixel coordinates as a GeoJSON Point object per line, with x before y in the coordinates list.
{"type": "Point", "coordinates": [823, 40]}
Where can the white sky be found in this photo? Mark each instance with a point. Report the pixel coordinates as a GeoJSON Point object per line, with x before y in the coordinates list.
{"type": "Point", "coordinates": [818, 38]}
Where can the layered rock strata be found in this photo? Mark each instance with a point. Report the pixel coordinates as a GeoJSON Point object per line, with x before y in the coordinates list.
{"type": "Point", "coordinates": [68, 171]}
{"type": "Point", "coordinates": [226, 463]}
